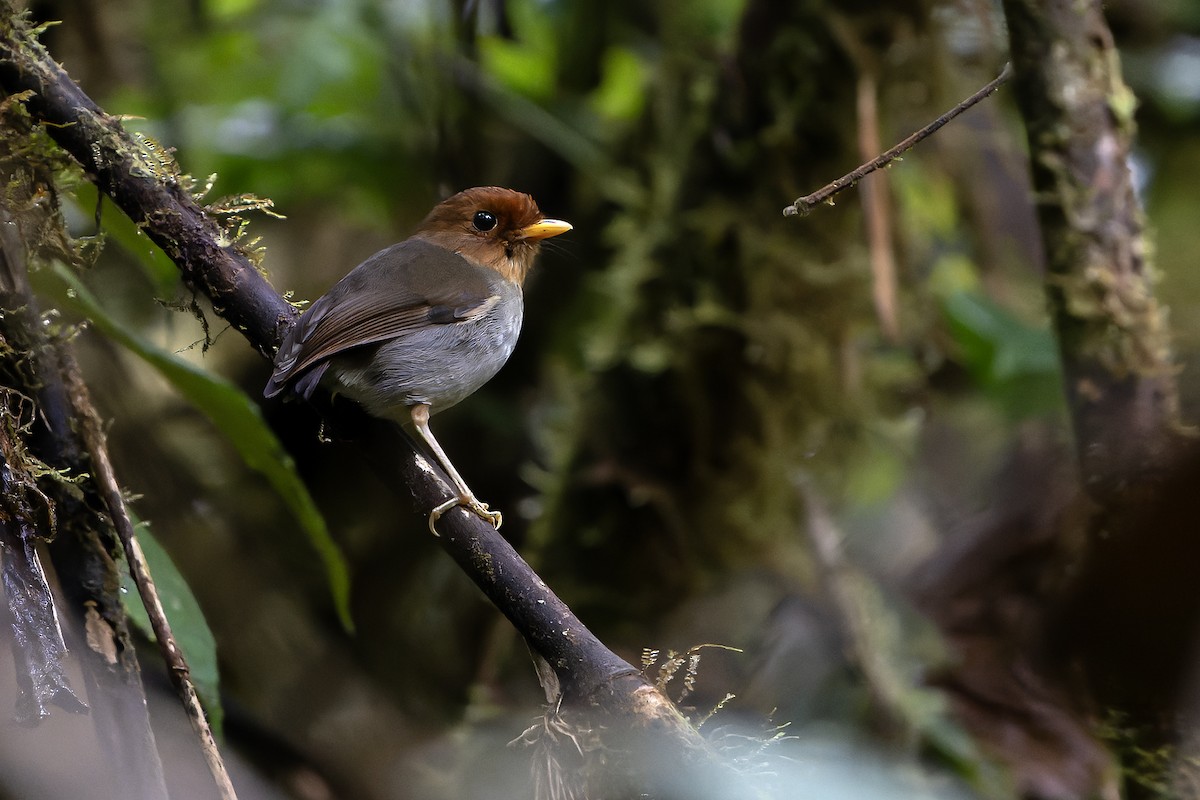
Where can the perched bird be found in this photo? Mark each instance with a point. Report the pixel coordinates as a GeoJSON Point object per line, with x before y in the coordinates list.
{"type": "Point", "coordinates": [418, 326]}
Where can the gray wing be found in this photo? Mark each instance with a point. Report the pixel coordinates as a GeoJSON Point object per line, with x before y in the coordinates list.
{"type": "Point", "coordinates": [404, 288]}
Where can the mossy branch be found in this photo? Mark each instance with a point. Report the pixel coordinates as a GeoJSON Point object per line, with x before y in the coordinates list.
{"type": "Point", "coordinates": [1112, 333]}
{"type": "Point", "coordinates": [590, 675]}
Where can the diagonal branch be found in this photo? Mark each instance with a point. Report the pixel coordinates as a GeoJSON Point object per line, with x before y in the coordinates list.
{"type": "Point", "coordinates": [171, 218]}
{"type": "Point", "coordinates": [605, 688]}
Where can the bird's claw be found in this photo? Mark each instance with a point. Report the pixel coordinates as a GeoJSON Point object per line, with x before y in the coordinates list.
{"type": "Point", "coordinates": [471, 503]}
{"type": "Point", "coordinates": [481, 510]}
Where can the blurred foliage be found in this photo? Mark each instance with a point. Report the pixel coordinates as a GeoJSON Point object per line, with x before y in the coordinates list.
{"type": "Point", "coordinates": [1014, 362]}
{"type": "Point", "coordinates": [690, 357]}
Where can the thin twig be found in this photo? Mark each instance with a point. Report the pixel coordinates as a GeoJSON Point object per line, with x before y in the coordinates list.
{"type": "Point", "coordinates": [806, 204]}
{"type": "Point", "coordinates": [110, 492]}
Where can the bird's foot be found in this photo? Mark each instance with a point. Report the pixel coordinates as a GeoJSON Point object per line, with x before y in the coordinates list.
{"type": "Point", "coordinates": [471, 503]}
{"type": "Point", "coordinates": [482, 510]}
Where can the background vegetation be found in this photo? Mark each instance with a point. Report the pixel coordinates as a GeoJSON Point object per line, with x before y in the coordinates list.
{"type": "Point", "coordinates": [721, 425]}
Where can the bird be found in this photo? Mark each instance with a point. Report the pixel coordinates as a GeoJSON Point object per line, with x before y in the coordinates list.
{"type": "Point", "coordinates": [421, 325]}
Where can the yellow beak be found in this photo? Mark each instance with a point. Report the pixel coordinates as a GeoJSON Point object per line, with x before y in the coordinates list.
{"type": "Point", "coordinates": [544, 229]}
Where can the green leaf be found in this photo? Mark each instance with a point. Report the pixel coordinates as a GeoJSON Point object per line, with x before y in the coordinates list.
{"type": "Point", "coordinates": [621, 94]}
{"type": "Point", "coordinates": [188, 625]}
{"type": "Point", "coordinates": [154, 263]}
{"type": "Point", "coordinates": [526, 63]}
{"type": "Point", "coordinates": [227, 10]}
{"type": "Point", "coordinates": [240, 420]}
{"type": "Point", "coordinates": [1016, 362]}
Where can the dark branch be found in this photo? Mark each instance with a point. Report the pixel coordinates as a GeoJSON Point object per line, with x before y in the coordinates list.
{"type": "Point", "coordinates": [806, 204]}
{"type": "Point", "coordinates": [162, 209]}
{"type": "Point", "coordinates": [243, 297]}
{"type": "Point", "coordinates": [595, 681]}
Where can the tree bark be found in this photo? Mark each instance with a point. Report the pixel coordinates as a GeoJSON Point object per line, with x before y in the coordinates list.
{"type": "Point", "coordinates": [1112, 333]}
{"type": "Point", "coordinates": [1021, 603]}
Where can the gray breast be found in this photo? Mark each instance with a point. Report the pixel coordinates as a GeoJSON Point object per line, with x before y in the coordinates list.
{"type": "Point", "coordinates": [438, 364]}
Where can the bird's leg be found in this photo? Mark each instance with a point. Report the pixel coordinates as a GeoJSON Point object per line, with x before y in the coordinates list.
{"type": "Point", "coordinates": [465, 497]}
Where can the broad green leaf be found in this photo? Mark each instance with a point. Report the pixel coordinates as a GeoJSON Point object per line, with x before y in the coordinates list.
{"type": "Point", "coordinates": [240, 420]}
{"type": "Point", "coordinates": [187, 622]}
{"type": "Point", "coordinates": [1016, 362]}
{"type": "Point", "coordinates": [154, 263]}
{"type": "Point", "coordinates": [526, 63]}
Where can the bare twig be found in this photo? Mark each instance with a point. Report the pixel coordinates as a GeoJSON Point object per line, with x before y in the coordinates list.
{"type": "Point", "coordinates": [106, 482]}
{"type": "Point", "coordinates": [806, 204]}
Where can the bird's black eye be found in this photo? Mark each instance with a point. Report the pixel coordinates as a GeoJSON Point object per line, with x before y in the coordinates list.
{"type": "Point", "coordinates": [484, 221]}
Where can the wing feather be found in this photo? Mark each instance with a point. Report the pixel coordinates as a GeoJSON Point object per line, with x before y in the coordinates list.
{"type": "Point", "coordinates": [404, 288]}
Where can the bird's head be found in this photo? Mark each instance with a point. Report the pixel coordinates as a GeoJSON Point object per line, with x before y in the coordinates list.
{"type": "Point", "coordinates": [494, 227]}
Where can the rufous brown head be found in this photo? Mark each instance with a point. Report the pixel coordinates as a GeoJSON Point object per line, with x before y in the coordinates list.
{"type": "Point", "coordinates": [492, 226]}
